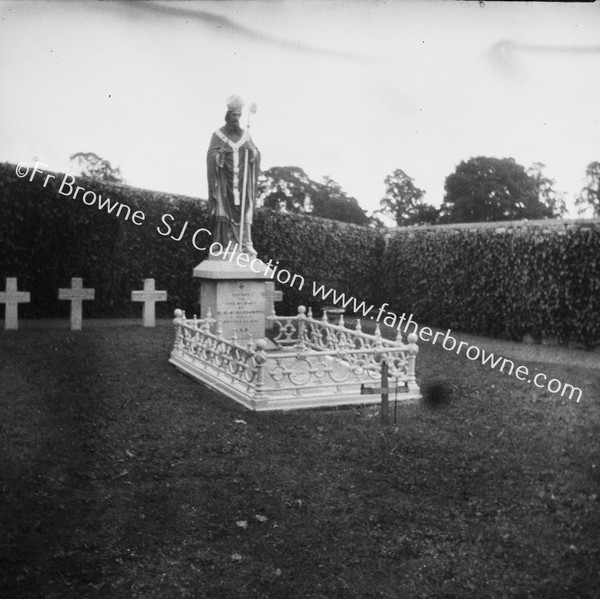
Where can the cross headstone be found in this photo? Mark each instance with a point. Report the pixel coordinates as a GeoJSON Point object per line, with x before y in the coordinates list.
{"type": "Point", "coordinates": [271, 296]}
{"type": "Point", "coordinates": [76, 295]}
{"type": "Point", "coordinates": [12, 298]}
{"type": "Point", "coordinates": [149, 296]}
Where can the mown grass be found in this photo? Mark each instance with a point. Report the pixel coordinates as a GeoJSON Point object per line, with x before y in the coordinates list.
{"type": "Point", "coordinates": [122, 478]}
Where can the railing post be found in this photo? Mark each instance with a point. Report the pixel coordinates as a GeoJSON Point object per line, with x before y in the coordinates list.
{"type": "Point", "coordinates": [301, 328]}
{"type": "Point", "coordinates": [413, 350]}
{"type": "Point", "coordinates": [260, 357]}
{"type": "Point", "coordinates": [179, 317]}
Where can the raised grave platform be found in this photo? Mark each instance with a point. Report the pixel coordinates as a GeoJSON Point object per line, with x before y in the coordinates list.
{"type": "Point", "coordinates": [312, 363]}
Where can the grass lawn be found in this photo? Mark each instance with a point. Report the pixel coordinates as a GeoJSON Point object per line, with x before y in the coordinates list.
{"type": "Point", "coordinates": [122, 478]}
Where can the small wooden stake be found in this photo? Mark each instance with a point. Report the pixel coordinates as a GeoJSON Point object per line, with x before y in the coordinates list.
{"type": "Point", "coordinates": [385, 413]}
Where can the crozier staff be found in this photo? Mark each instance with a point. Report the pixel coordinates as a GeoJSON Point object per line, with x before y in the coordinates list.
{"type": "Point", "coordinates": [233, 166]}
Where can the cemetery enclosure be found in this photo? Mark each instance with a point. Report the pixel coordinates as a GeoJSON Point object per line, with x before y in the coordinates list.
{"type": "Point", "coordinates": [48, 238]}
{"type": "Point", "coordinates": [540, 280]}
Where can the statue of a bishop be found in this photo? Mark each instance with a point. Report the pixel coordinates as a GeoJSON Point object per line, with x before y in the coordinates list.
{"type": "Point", "coordinates": [233, 165]}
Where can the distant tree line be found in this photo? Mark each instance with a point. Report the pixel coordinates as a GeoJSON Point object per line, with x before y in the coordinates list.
{"type": "Point", "coordinates": [90, 165]}
{"type": "Point", "coordinates": [588, 199]}
{"type": "Point", "coordinates": [485, 189]}
{"type": "Point", "coordinates": [481, 189]}
{"type": "Point", "coordinates": [289, 189]}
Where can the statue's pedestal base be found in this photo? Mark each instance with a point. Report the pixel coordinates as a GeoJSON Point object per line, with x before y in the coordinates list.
{"type": "Point", "coordinates": [235, 295]}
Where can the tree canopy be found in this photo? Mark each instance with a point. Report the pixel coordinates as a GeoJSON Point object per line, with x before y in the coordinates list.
{"type": "Point", "coordinates": [91, 165]}
{"type": "Point", "coordinates": [289, 189]}
{"type": "Point", "coordinates": [589, 197]}
{"type": "Point", "coordinates": [403, 201]}
{"type": "Point", "coordinates": [546, 193]}
{"type": "Point", "coordinates": [492, 189]}
{"type": "Point", "coordinates": [331, 201]}
{"type": "Point", "coordinates": [286, 189]}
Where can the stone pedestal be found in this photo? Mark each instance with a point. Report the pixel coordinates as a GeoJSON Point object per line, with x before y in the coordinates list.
{"type": "Point", "coordinates": [234, 291]}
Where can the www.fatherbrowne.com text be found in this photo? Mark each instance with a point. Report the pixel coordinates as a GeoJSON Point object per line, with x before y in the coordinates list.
{"type": "Point", "coordinates": [272, 270]}
{"type": "Point", "coordinates": [403, 324]}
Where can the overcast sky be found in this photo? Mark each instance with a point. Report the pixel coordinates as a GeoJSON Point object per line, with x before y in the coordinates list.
{"type": "Point", "coordinates": [352, 90]}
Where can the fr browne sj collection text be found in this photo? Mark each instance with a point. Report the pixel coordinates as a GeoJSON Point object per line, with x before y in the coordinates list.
{"type": "Point", "coordinates": [70, 189]}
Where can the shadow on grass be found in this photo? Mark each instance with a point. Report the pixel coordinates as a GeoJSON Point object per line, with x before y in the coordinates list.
{"type": "Point", "coordinates": [123, 478]}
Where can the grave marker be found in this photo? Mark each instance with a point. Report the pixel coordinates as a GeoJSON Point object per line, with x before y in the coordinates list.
{"type": "Point", "coordinates": [271, 296]}
{"type": "Point", "coordinates": [149, 296]}
{"type": "Point", "coordinates": [12, 298]}
{"type": "Point", "coordinates": [76, 295]}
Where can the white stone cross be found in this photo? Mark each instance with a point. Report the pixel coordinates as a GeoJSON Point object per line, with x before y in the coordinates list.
{"type": "Point", "coordinates": [76, 295]}
{"type": "Point", "coordinates": [149, 296]}
{"type": "Point", "coordinates": [12, 298]}
{"type": "Point", "coordinates": [271, 296]}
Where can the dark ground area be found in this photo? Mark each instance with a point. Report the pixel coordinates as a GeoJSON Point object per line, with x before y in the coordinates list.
{"type": "Point", "coordinates": [122, 478]}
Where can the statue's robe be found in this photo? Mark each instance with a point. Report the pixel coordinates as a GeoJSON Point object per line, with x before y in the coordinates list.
{"type": "Point", "coordinates": [226, 165]}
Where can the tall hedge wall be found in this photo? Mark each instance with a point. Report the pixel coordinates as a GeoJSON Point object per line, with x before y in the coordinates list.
{"type": "Point", "coordinates": [345, 257]}
{"type": "Point", "coordinates": [541, 279]}
{"type": "Point", "coordinates": [46, 238]}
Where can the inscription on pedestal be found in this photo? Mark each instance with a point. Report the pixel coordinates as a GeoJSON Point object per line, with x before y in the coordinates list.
{"type": "Point", "coordinates": [238, 305]}
{"type": "Point", "coordinates": [235, 296]}
{"type": "Point", "coordinates": [242, 308]}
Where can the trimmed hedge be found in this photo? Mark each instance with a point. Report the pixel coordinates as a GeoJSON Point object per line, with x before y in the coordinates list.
{"type": "Point", "coordinates": [541, 279]}
{"type": "Point", "coordinates": [343, 256]}
{"type": "Point", "coordinates": [46, 238]}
